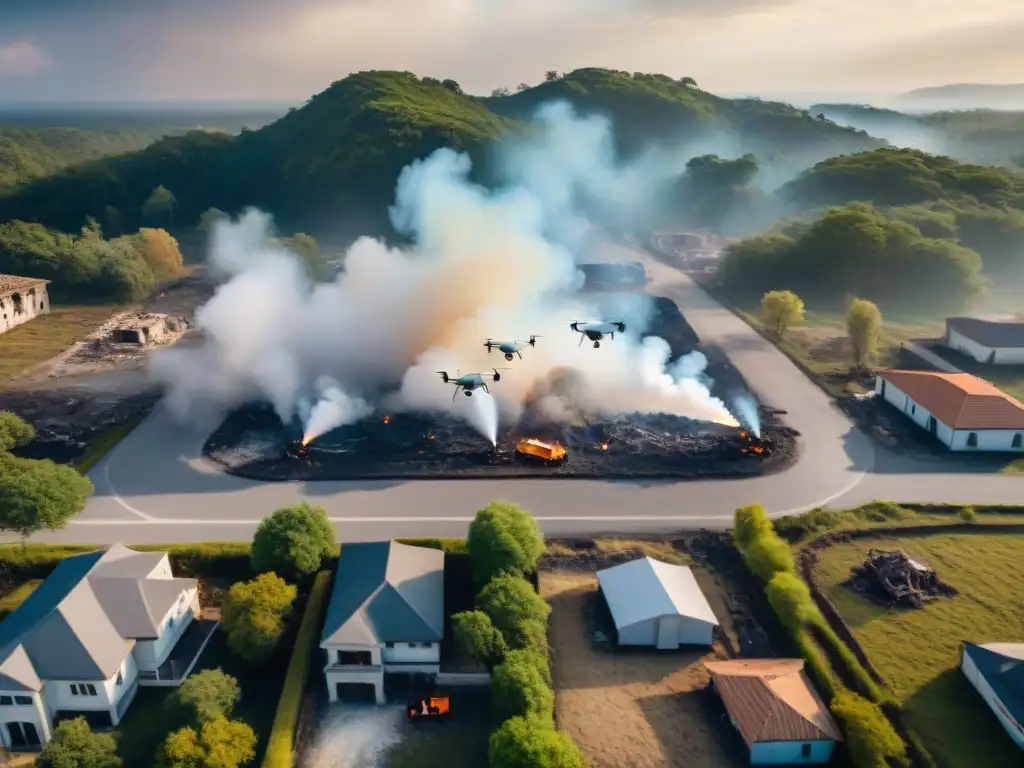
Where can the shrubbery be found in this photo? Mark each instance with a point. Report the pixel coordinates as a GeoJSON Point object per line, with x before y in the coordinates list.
{"type": "Point", "coordinates": [869, 735]}
{"type": "Point", "coordinates": [253, 615]}
{"type": "Point", "coordinates": [523, 743]}
{"type": "Point", "coordinates": [204, 696]}
{"type": "Point", "coordinates": [74, 744]}
{"type": "Point", "coordinates": [293, 541]}
{"type": "Point", "coordinates": [517, 612]}
{"type": "Point", "coordinates": [503, 539]}
{"type": "Point", "coordinates": [219, 742]}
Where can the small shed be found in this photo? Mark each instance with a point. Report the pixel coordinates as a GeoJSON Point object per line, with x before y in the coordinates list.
{"type": "Point", "coordinates": [776, 710]}
{"type": "Point", "coordinates": [657, 604]}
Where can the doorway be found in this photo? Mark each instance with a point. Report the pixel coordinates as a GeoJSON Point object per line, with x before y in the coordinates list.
{"type": "Point", "coordinates": [23, 736]}
{"type": "Point", "coordinates": [933, 426]}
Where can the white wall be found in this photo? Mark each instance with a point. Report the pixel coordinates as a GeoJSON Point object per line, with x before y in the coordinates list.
{"type": "Point", "coordinates": [59, 697]}
{"type": "Point", "coordinates": [406, 653]}
{"type": "Point", "coordinates": [150, 654]}
{"type": "Point", "coordinates": [1013, 728]}
{"type": "Point", "coordinates": [34, 302]}
{"type": "Point", "coordinates": [988, 440]}
{"type": "Point", "coordinates": [34, 712]}
{"type": "Point", "coordinates": [980, 352]}
{"type": "Point", "coordinates": [916, 413]}
{"type": "Point", "coordinates": [694, 632]}
{"type": "Point", "coordinates": [685, 630]}
{"type": "Point", "coordinates": [641, 633]}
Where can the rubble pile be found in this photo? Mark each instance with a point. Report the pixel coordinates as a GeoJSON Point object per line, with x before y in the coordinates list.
{"type": "Point", "coordinates": [124, 338]}
{"type": "Point", "coordinates": [896, 579]}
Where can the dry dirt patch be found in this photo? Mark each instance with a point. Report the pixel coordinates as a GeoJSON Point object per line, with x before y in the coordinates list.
{"type": "Point", "coordinates": [630, 709]}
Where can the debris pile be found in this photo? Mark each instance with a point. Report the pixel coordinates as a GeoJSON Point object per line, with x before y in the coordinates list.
{"type": "Point", "coordinates": [123, 338]}
{"type": "Point", "coordinates": [896, 579]}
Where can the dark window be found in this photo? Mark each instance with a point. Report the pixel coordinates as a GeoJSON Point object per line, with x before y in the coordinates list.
{"type": "Point", "coordinates": [31, 734]}
{"type": "Point", "coordinates": [91, 689]}
{"type": "Point", "coordinates": [6, 701]}
{"type": "Point", "coordinates": [74, 689]}
{"type": "Point", "coordinates": [120, 678]}
{"type": "Point", "coordinates": [17, 735]}
{"type": "Point", "coordinates": [355, 658]}
{"type": "Point", "coordinates": [427, 645]}
{"type": "Point", "coordinates": [972, 439]}
{"type": "Point", "coordinates": [23, 701]}
{"type": "Point", "coordinates": [389, 645]}
{"type": "Point", "coordinates": [1017, 440]}
{"type": "Point", "coordinates": [805, 751]}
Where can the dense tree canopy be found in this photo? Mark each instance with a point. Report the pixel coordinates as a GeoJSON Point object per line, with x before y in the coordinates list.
{"type": "Point", "coordinates": [293, 541]}
{"type": "Point", "coordinates": [218, 743]}
{"type": "Point", "coordinates": [532, 743]}
{"type": "Point", "coordinates": [204, 696]}
{"type": "Point", "coordinates": [253, 615]}
{"type": "Point", "coordinates": [39, 494]}
{"type": "Point", "coordinates": [74, 745]}
{"type": "Point", "coordinates": [503, 538]}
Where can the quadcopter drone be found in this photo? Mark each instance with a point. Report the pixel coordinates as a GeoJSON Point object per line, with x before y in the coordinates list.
{"type": "Point", "coordinates": [596, 331]}
{"type": "Point", "coordinates": [470, 381]}
{"type": "Point", "coordinates": [510, 348]}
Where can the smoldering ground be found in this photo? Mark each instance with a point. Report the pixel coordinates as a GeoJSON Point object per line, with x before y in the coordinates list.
{"type": "Point", "coordinates": [495, 264]}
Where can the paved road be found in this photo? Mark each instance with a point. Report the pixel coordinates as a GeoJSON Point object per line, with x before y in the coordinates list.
{"type": "Point", "coordinates": [156, 487]}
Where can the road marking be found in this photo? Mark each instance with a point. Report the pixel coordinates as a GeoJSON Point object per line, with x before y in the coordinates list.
{"type": "Point", "coordinates": [117, 497]}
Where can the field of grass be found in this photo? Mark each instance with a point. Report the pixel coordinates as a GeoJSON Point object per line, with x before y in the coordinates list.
{"type": "Point", "coordinates": [16, 596]}
{"type": "Point", "coordinates": [917, 651]}
{"type": "Point", "coordinates": [43, 338]}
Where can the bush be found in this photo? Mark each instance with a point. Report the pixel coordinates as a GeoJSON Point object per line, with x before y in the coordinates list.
{"type": "Point", "coordinates": [769, 555]}
{"type": "Point", "coordinates": [967, 514]}
{"type": "Point", "coordinates": [74, 745]}
{"type": "Point", "coordinates": [790, 598]}
{"type": "Point", "coordinates": [282, 734]}
{"type": "Point", "coordinates": [448, 546]}
{"type": "Point", "coordinates": [870, 737]}
{"type": "Point", "coordinates": [519, 688]}
{"type": "Point", "coordinates": [253, 615]}
{"type": "Point", "coordinates": [38, 494]}
{"type": "Point", "coordinates": [476, 636]}
{"type": "Point", "coordinates": [14, 431]}
{"type": "Point", "coordinates": [503, 538]}
{"type": "Point", "coordinates": [219, 743]}
{"type": "Point", "coordinates": [204, 696]}
{"type": "Point", "coordinates": [293, 541]}
{"type": "Point", "coordinates": [516, 610]}
{"type": "Point", "coordinates": [749, 524]}
{"type": "Point", "coordinates": [522, 743]}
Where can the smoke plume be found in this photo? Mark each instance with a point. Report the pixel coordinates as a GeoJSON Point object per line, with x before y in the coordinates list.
{"type": "Point", "coordinates": [746, 408]}
{"type": "Point", "coordinates": [485, 264]}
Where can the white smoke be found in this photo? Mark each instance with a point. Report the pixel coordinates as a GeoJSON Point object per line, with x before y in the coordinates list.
{"type": "Point", "coordinates": [746, 409]}
{"type": "Point", "coordinates": [484, 265]}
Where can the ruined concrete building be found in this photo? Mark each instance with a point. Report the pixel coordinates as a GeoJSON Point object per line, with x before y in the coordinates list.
{"type": "Point", "coordinates": [144, 329]}
{"type": "Point", "coordinates": [21, 299]}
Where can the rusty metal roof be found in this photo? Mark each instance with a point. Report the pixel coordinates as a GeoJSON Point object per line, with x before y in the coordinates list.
{"type": "Point", "coordinates": [12, 283]}
{"type": "Point", "coordinates": [772, 700]}
{"type": "Point", "coordinates": [959, 400]}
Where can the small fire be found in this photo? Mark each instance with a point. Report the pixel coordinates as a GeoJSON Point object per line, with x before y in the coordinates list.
{"type": "Point", "coordinates": [604, 446]}
{"type": "Point", "coordinates": [307, 440]}
{"type": "Point", "coordinates": [387, 419]}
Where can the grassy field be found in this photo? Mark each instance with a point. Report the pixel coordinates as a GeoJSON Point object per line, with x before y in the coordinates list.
{"type": "Point", "coordinates": [43, 338]}
{"type": "Point", "coordinates": [917, 651]}
{"type": "Point", "coordinates": [16, 596]}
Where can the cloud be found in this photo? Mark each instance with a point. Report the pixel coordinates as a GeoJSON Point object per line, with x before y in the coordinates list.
{"type": "Point", "coordinates": [21, 58]}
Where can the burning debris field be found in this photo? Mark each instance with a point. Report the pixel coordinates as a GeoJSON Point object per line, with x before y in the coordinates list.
{"type": "Point", "coordinates": [253, 443]}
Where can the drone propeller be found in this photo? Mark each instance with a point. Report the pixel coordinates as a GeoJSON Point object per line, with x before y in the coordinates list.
{"type": "Point", "coordinates": [444, 376]}
{"type": "Point", "coordinates": [576, 326]}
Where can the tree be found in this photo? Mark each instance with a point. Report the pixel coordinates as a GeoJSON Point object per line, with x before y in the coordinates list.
{"type": "Point", "coordinates": [550, 76]}
{"type": "Point", "coordinates": [518, 688]}
{"type": "Point", "coordinates": [204, 696]}
{"type": "Point", "coordinates": [219, 743]}
{"type": "Point", "coordinates": [790, 598]}
{"type": "Point", "coordinates": [523, 743]}
{"type": "Point", "coordinates": [293, 541]}
{"type": "Point", "coordinates": [780, 310]}
{"type": "Point", "coordinates": [749, 524]}
{"type": "Point", "coordinates": [502, 91]}
{"type": "Point", "coordinates": [503, 538]}
{"type": "Point", "coordinates": [38, 494]}
{"type": "Point", "coordinates": [159, 206]}
{"type": "Point", "coordinates": [209, 219]}
{"type": "Point", "coordinates": [451, 85]}
{"type": "Point", "coordinates": [308, 250]}
{"type": "Point", "coordinates": [14, 431]}
{"type": "Point", "coordinates": [161, 252]}
{"type": "Point", "coordinates": [967, 514]}
{"type": "Point", "coordinates": [688, 82]}
{"type": "Point", "coordinates": [516, 610]}
{"type": "Point", "coordinates": [478, 638]}
{"type": "Point", "coordinates": [522, 87]}
{"type": "Point", "coordinates": [74, 745]}
{"type": "Point", "coordinates": [253, 615]}
{"type": "Point", "coordinates": [870, 737]}
{"type": "Point", "coordinates": [863, 326]}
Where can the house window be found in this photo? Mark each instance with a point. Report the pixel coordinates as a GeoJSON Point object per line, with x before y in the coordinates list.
{"type": "Point", "coordinates": [6, 701]}
{"type": "Point", "coordinates": [1017, 440]}
{"type": "Point", "coordinates": [805, 751]}
{"type": "Point", "coordinates": [23, 701]}
{"type": "Point", "coordinates": [74, 689]}
{"type": "Point", "coordinates": [170, 622]}
{"type": "Point", "coordinates": [389, 645]}
{"type": "Point", "coordinates": [972, 439]}
{"type": "Point", "coordinates": [120, 678]}
{"type": "Point", "coordinates": [913, 409]}
{"type": "Point", "coordinates": [83, 689]}
{"type": "Point", "coordinates": [426, 645]}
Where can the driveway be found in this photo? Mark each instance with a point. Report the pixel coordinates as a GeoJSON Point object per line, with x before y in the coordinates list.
{"type": "Point", "coordinates": [156, 486]}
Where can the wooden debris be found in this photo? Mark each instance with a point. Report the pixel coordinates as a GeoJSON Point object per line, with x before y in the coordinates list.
{"type": "Point", "coordinates": [896, 579]}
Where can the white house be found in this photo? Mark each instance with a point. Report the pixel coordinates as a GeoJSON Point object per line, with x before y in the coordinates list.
{"type": "Point", "coordinates": [963, 412]}
{"type": "Point", "coordinates": [999, 342]}
{"type": "Point", "coordinates": [996, 670]}
{"type": "Point", "coordinates": [99, 626]}
{"type": "Point", "coordinates": [657, 604]}
{"type": "Point", "coordinates": [776, 710]}
{"type": "Point", "coordinates": [386, 615]}
{"type": "Point", "coordinates": [21, 299]}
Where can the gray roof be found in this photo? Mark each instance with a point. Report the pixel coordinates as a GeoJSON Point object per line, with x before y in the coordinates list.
{"type": "Point", "coordinates": [989, 333]}
{"type": "Point", "coordinates": [84, 619]}
{"type": "Point", "coordinates": [386, 592]}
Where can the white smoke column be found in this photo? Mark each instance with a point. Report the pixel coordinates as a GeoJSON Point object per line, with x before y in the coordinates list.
{"type": "Point", "coordinates": [484, 415]}
{"type": "Point", "coordinates": [746, 409]}
{"type": "Point", "coordinates": [334, 409]}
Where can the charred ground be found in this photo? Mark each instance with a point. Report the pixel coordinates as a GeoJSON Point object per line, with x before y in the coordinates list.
{"type": "Point", "coordinates": [253, 443]}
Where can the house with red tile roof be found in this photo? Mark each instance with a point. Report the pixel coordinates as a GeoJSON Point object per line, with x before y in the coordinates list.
{"type": "Point", "coordinates": [21, 299]}
{"type": "Point", "coordinates": [773, 705]}
{"type": "Point", "coordinates": [961, 411]}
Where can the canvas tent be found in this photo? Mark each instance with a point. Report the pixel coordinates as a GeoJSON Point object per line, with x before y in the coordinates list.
{"type": "Point", "coordinates": [657, 604]}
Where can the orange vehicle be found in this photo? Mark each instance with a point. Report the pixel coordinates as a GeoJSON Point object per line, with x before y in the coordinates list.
{"type": "Point", "coordinates": [541, 450]}
{"type": "Point", "coordinates": [438, 706]}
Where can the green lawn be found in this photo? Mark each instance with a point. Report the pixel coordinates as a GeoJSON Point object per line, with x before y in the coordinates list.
{"type": "Point", "coordinates": [45, 337]}
{"type": "Point", "coordinates": [16, 596]}
{"type": "Point", "coordinates": [917, 651]}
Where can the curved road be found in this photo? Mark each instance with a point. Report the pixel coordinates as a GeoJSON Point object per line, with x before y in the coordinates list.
{"type": "Point", "coordinates": [156, 487]}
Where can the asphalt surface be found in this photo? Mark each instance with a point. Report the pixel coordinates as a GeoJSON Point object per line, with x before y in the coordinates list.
{"type": "Point", "coordinates": [156, 487]}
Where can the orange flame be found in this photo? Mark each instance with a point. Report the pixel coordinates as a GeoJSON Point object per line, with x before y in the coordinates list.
{"type": "Point", "coordinates": [307, 440]}
{"type": "Point", "coordinates": [387, 419]}
{"type": "Point", "coordinates": [604, 446]}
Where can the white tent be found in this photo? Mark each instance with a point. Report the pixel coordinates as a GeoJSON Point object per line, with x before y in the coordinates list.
{"type": "Point", "coordinates": [657, 604]}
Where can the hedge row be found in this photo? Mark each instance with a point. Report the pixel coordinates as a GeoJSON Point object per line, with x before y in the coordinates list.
{"type": "Point", "coordinates": [871, 739]}
{"type": "Point", "coordinates": [280, 748]}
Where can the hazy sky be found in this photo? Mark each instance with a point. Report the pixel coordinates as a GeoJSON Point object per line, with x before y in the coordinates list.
{"type": "Point", "coordinates": [113, 50]}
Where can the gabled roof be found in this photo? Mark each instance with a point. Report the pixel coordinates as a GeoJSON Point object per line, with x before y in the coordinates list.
{"type": "Point", "coordinates": [12, 284]}
{"type": "Point", "coordinates": [959, 400]}
{"type": "Point", "coordinates": [85, 617]}
{"type": "Point", "coordinates": [990, 333]}
{"type": "Point", "coordinates": [386, 592]}
{"type": "Point", "coordinates": [772, 700]}
{"type": "Point", "coordinates": [1002, 666]}
{"type": "Point", "coordinates": [646, 589]}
